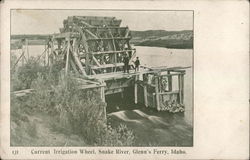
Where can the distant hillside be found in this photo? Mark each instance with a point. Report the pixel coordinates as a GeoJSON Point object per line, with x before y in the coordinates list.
{"type": "Point", "coordinates": [161, 38]}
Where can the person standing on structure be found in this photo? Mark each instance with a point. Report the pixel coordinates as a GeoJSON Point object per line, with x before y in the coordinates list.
{"type": "Point", "coordinates": [126, 64]}
{"type": "Point", "coordinates": [137, 64]}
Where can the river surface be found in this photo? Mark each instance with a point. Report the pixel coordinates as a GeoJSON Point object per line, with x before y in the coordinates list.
{"type": "Point", "coordinates": [152, 128]}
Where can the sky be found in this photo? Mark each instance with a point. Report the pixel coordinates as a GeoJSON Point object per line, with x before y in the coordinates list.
{"type": "Point", "coordinates": [49, 21]}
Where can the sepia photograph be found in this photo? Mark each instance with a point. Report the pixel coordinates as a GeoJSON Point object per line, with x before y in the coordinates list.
{"type": "Point", "coordinates": [101, 78]}
{"type": "Point", "coordinates": [124, 79]}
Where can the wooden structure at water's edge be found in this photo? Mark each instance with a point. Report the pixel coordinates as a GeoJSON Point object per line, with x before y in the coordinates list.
{"type": "Point", "coordinates": [93, 48]}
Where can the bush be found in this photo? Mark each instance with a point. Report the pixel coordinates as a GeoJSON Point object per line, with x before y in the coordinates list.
{"type": "Point", "coordinates": [120, 136]}
{"type": "Point", "coordinates": [75, 111]}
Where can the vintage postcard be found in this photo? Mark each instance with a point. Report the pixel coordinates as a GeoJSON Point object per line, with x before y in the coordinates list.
{"type": "Point", "coordinates": [124, 80]}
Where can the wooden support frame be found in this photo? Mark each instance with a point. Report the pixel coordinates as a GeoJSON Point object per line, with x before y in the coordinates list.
{"type": "Point", "coordinates": [157, 97]}
{"type": "Point", "coordinates": [67, 57]}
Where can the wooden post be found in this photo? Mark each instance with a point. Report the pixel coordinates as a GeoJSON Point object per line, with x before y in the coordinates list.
{"type": "Point", "coordinates": [67, 58]}
{"type": "Point", "coordinates": [169, 82]}
{"type": "Point", "coordinates": [52, 51]}
{"type": "Point", "coordinates": [135, 90]}
{"type": "Point", "coordinates": [157, 98]}
{"type": "Point", "coordinates": [145, 95]}
{"type": "Point", "coordinates": [103, 94]}
{"type": "Point", "coordinates": [180, 88]}
{"type": "Point", "coordinates": [182, 84]}
{"type": "Point", "coordinates": [103, 100]}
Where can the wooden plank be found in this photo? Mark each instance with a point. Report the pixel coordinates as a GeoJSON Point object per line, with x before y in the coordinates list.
{"type": "Point", "coordinates": [169, 81]}
{"type": "Point", "coordinates": [92, 34]}
{"type": "Point", "coordinates": [127, 33]}
{"type": "Point", "coordinates": [103, 94]}
{"type": "Point", "coordinates": [172, 74]}
{"type": "Point", "coordinates": [157, 98]}
{"type": "Point", "coordinates": [78, 63]}
{"type": "Point", "coordinates": [89, 86]}
{"type": "Point", "coordinates": [180, 88]}
{"type": "Point", "coordinates": [113, 91]}
{"type": "Point", "coordinates": [96, 61]}
{"type": "Point", "coordinates": [107, 66]}
{"type": "Point", "coordinates": [182, 84]}
{"type": "Point", "coordinates": [72, 63]}
{"type": "Point", "coordinates": [167, 93]}
{"type": "Point", "coordinates": [86, 47]}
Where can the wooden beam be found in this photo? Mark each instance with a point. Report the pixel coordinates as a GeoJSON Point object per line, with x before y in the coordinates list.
{"type": "Point", "coordinates": [86, 47]}
{"type": "Point", "coordinates": [96, 61]}
{"type": "Point", "coordinates": [157, 98]}
{"type": "Point", "coordinates": [85, 23]}
{"type": "Point", "coordinates": [67, 58]}
{"type": "Point", "coordinates": [166, 93]}
{"type": "Point", "coordinates": [180, 88]}
{"type": "Point", "coordinates": [72, 64]}
{"type": "Point", "coordinates": [92, 34]}
{"type": "Point", "coordinates": [127, 32]}
{"type": "Point", "coordinates": [107, 66]}
{"type": "Point", "coordinates": [78, 63]}
{"type": "Point", "coordinates": [113, 91]}
{"type": "Point", "coordinates": [169, 82]}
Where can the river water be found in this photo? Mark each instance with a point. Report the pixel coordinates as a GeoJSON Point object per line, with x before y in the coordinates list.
{"type": "Point", "coordinates": [152, 128]}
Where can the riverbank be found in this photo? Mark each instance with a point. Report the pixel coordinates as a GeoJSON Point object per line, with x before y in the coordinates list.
{"type": "Point", "coordinates": [173, 44]}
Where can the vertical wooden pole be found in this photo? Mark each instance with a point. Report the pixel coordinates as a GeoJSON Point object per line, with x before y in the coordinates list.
{"type": "Point", "coordinates": [103, 94]}
{"type": "Point", "coordinates": [135, 90]}
{"type": "Point", "coordinates": [182, 84]}
{"type": "Point", "coordinates": [145, 95]}
{"type": "Point", "coordinates": [67, 58]}
{"type": "Point", "coordinates": [157, 98]}
{"type": "Point", "coordinates": [169, 82]}
{"type": "Point", "coordinates": [180, 88]}
{"type": "Point", "coordinates": [102, 89]}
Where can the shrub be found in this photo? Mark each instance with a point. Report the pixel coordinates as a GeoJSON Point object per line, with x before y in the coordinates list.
{"type": "Point", "coordinates": [120, 136]}
{"type": "Point", "coordinates": [75, 111]}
